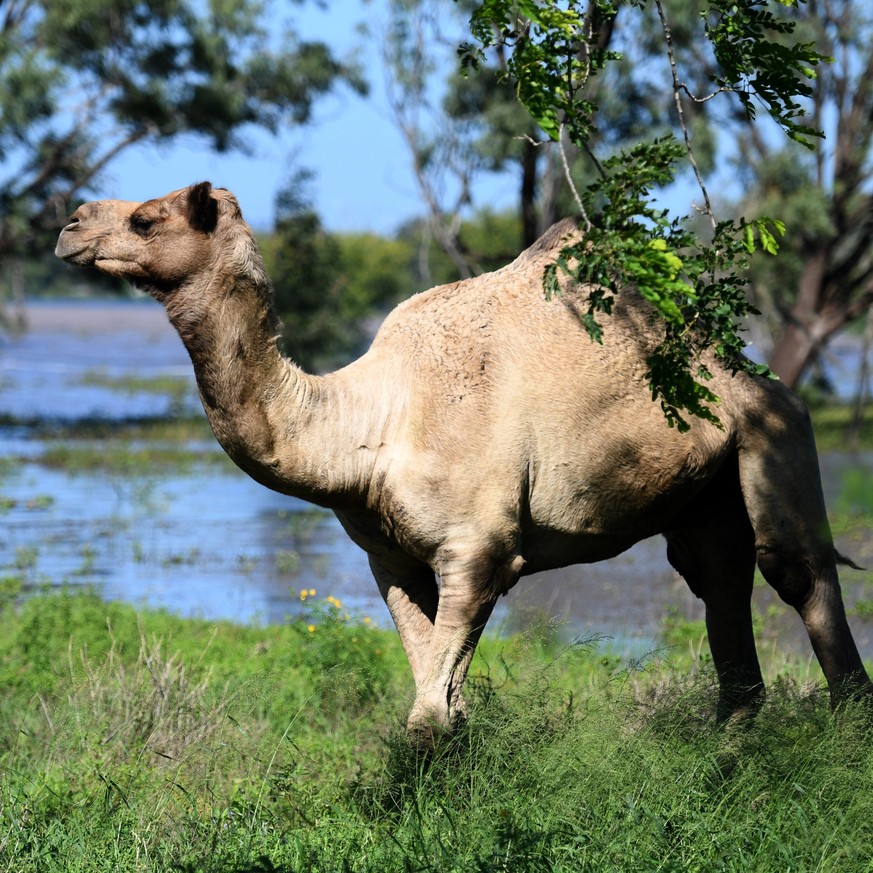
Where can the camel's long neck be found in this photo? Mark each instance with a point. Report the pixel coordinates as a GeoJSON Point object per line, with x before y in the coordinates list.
{"type": "Point", "coordinates": [274, 420]}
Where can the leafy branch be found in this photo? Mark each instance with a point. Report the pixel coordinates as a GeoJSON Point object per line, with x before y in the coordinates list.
{"type": "Point", "coordinates": [695, 284]}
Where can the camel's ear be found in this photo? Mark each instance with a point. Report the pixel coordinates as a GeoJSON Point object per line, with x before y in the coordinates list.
{"type": "Point", "coordinates": [202, 207]}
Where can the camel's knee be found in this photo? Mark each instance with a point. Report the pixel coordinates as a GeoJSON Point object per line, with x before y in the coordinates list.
{"type": "Point", "coordinates": [792, 578]}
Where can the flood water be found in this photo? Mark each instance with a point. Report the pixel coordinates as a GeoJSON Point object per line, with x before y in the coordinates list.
{"type": "Point", "coordinates": [213, 543]}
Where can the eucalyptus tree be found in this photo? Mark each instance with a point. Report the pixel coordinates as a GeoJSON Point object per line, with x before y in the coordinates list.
{"type": "Point", "coordinates": [82, 81]}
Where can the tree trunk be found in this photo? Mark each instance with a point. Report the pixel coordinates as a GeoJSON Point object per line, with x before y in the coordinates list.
{"type": "Point", "coordinates": [530, 227]}
{"type": "Point", "coordinates": [801, 339]}
{"type": "Point", "coordinates": [793, 352]}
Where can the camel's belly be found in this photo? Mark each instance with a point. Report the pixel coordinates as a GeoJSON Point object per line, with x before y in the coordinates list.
{"type": "Point", "coordinates": [548, 549]}
{"type": "Point", "coordinates": [576, 524]}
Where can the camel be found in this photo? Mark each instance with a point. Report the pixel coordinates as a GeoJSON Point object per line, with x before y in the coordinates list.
{"type": "Point", "coordinates": [484, 437]}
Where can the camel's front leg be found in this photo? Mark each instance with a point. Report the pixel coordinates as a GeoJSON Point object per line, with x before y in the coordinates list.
{"type": "Point", "coordinates": [467, 597]}
{"type": "Point", "coordinates": [411, 597]}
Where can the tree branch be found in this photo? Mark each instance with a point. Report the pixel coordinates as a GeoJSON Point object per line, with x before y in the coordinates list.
{"type": "Point", "coordinates": [677, 89]}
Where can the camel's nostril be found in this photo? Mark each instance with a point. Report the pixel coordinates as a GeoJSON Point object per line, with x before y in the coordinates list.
{"type": "Point", "coordinates": [72, 224]}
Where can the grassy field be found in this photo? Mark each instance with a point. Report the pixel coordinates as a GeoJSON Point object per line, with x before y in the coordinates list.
{"type": "Point", "coordinates": [141, 741]}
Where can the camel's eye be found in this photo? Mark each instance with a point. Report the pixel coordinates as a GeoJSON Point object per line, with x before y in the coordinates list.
{"type": "Point", "coordinates": [141, 225]}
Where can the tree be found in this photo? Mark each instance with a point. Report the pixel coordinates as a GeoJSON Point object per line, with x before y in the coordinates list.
{"type": "Point", "coordinates": [303, 261]}
{"type": "Point", "coordinates": [83, 80]}
{"type": "Point", "coordinates": [824, 281]}
{"type": "Point", "coordinates": [461, 127]}
{"type": "Point", "coordinates": [330, 288]}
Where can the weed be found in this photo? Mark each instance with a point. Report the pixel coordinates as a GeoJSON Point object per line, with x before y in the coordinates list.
{"type": "Point", "coordinates": [128, 459]}
{"type": "Point", "coordinates": [178, 388]}
{"type": "Point", "coordinates": [287, 561]}
{"type": "Point", "coordinates": [11, 587]}
{"type": "Point", "coordinates": [189, 558]}
{"type": "Point", "coordinates": [863, 609]}
{"type": "Point", "coordinates": [680, 632]}
{"type": "Point", "coordinates": [835, 427]}
{"type": "Point", "coordinates": [26, 557]}
{"type": "Point", "coordinates": [300, 524]}
{"type": "Point", "coordinates": [89, 560]}
{"type": "Point", "coordinates": [40, 502]}
{"type": "Point", "coordinates": [246, 564]}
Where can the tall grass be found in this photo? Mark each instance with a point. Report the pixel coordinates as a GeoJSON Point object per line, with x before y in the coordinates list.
{"type": "Point", "coordinates": [140, 741]}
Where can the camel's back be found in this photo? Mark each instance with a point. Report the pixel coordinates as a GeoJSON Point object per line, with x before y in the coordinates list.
{"type": "Point", "coordinates": [473, 336]}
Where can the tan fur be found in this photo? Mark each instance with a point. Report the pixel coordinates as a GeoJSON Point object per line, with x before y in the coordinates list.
{"type": "Point", "coordinates": [484, 436]}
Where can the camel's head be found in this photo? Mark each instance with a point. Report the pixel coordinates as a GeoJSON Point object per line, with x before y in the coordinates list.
{"type": "Point", "coordinates": [156, 245]}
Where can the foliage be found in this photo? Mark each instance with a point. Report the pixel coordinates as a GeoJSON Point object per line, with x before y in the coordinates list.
{"type": "Point", "coordinates": [823, 279]}
{"type": "Point", "coordinates": [145, 742]}
{"type": "Point", "coordinates": [695, 284]}
{"type": "Point", "coordinates": [83, 80]}
{"type": "Point", "coordinates": [329, 286]}
{"type": "Point", "coordinates": [488, 239]}
{"type": "Point", "coordinates": [303, 267]}
{"type": "Point", "coordinates": [757, 66]}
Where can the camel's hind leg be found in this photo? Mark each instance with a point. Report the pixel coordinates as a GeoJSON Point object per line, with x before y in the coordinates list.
{"type": "Point", "coordinates": [716, 557]}
{"type": "Point", "coordinates": [781, 485]}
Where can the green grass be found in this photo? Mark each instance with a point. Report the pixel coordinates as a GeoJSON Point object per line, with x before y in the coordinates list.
{"type": "Point", "coordinates": [141, 741]}
{"type": "Point", "coordinates": [177, 388]}
{"type": "Point", "coordinates": [836, 429]}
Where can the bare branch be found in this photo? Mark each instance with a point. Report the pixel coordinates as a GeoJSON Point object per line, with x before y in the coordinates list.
{"type": "Point", "coordinates": [569, 178]}
{"type": "Point", "coordinates": [680, 112]}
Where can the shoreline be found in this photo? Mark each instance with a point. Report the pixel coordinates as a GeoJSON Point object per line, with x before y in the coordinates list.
{"type": "Point", "coordinates": [95, 315]}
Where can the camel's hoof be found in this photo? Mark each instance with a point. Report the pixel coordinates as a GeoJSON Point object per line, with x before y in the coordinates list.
{"type": "Point", "coordinates": [426, 727]}
{"type": "Point", "coordinates": [424, 735]}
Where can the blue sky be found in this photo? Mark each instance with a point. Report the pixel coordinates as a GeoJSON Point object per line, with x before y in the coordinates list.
{"type": "Point", "coordinates": [363, 179]}
{"type": "Point", "coordinates": [362, 171]}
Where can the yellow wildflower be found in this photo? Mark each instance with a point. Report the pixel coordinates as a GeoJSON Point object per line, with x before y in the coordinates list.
{"type": "Point", "coordinates": [311, 628]}
{"type": "Point", "coordinates": [367, 619]}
